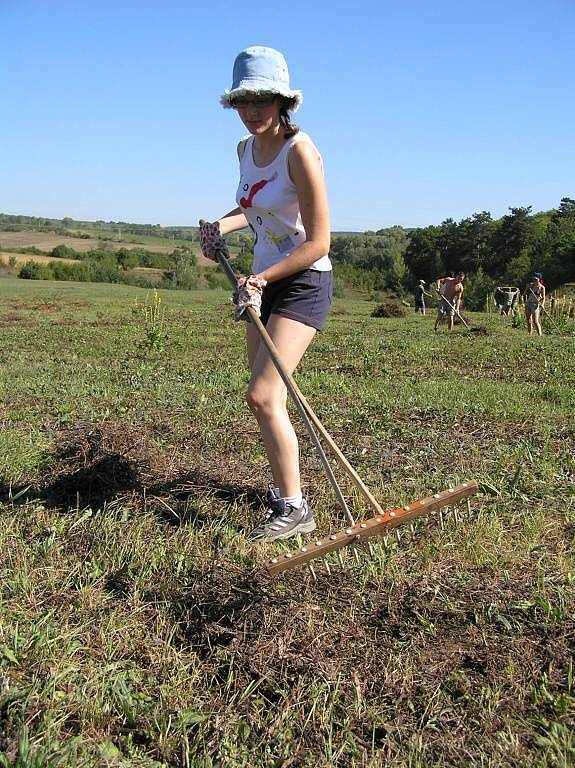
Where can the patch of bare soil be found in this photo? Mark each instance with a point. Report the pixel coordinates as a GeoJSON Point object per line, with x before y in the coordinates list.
{"type": "Point", "coordinates": [455, 659]}
{"type": "Point", "coordinates": [47, 304]}
{"type": "Point", "coordinates": [12, 317]}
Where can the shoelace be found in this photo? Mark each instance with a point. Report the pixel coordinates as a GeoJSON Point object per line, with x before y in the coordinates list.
{"type": "Point", "coordinates": [277, 507]}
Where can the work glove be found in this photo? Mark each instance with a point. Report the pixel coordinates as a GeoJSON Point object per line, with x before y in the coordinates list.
{"type": "Point", "coordinates": [211, 240]}
{"type": "Point", "coordinates": [248, 293]}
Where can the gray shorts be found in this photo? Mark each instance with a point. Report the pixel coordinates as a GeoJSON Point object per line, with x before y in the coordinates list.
{"type": "Point", "coordinates": [446, 307]}
{"type": "Point", "coordinates": [305, 297]}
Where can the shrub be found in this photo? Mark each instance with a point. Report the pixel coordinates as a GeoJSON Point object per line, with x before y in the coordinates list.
{"type": "Point", "coordinates": [63, 252]}
{"type": "Point", "coordinates": [31, 270]}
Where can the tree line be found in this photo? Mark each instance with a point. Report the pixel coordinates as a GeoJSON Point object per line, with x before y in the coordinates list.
{"type": "Point", "coordinates": [491, 251]}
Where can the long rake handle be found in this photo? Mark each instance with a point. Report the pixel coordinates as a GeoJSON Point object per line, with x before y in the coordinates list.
{"type": "Point", "coordinates": [302, 404]}
{"type": "Point", "coordinates": [376, 526]}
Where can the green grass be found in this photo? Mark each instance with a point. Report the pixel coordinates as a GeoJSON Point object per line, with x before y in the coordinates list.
{"type": "Point", "coordinates": [136, 626]}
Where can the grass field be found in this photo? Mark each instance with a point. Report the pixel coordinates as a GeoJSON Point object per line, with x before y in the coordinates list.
{"type": "Point", "coordinates": [136, 625]}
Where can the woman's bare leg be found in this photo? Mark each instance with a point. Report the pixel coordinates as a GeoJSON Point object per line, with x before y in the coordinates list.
{"type": "Point", "coordinates": [267, 397]}
{"type": "Point", "coordinates": [537, 319]}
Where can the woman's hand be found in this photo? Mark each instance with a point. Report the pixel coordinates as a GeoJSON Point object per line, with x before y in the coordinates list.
{"type": "Point", "coordinates": [248, 293]}
{"type": "Point", "coordinates": [211, 240]}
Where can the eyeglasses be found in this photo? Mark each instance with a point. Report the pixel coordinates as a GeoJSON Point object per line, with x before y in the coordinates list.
{"type": "Point", "coordinates": [258, 102]}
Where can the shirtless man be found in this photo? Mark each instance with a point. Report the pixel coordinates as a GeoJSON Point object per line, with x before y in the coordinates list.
{"type": "Point", "coordinates": [451, 293]}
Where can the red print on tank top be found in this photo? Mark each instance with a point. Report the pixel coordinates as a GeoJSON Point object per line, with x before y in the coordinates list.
{"type": "Point", "coordinates": [247, 202]}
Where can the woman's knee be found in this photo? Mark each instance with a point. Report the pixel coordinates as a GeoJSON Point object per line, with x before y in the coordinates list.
{"type": "Point", "coordinates": [262, 400]}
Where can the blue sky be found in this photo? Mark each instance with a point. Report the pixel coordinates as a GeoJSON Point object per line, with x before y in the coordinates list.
{"type": "Point", "coordinates": [422, 110]}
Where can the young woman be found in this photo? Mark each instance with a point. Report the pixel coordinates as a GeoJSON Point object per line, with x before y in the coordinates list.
{"type": "Point", "coordinates": [282, 198]}
{"type": "Point", "coordinates": [534, 300]}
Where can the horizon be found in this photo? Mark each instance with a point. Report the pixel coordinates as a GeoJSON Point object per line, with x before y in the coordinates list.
{"type": "Point", "coordinates": [246, 229]}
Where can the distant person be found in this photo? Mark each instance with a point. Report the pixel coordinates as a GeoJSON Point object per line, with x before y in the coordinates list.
{"type": "Point", "coordinates": [507, 299]}
{"type": "Point", "coordinates": [534, 296]}
{"type": "Point", "coordinates": [441, 284]}
{"type": "Point", "coordinates": [554, 309]}
{"type": "Point", "coordinates": [420, 293]}
{"type": "Point", "coordinates": [451, 295]}
{"type": "Point", "coordinates": [282, 197]}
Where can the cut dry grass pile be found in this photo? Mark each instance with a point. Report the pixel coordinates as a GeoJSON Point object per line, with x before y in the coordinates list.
{"type": "Point", "coordinates": [389, 309]}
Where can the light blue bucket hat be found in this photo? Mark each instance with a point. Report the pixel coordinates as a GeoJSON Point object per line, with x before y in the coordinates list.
{"type": "Point", "coordinates": [259, 69]}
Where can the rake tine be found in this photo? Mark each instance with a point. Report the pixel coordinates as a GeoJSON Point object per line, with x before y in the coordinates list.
{"type": "Point", "coordinates": [312, 571]}
{"type": "Point", "coordinates": [356, 555]}
{"type": "Point", "coordinates": [370, 549]}
{"type": "Point", "coordinates": [468, 501]}
{"type": "Point", "coordinates": [326, 566]}
{"type": "Point", "coordinates": [340, 560]}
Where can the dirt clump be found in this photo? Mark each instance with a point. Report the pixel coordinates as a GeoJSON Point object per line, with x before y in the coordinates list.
{"type": "Point", "coordinates": [93, 464]}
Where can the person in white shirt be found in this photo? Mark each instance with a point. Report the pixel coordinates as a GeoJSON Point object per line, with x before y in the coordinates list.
{"type": "Point", "coordinates": [282, 197]}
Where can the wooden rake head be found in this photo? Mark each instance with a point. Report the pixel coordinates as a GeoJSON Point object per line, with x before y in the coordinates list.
{"type": "Point", "coordinates": [375, 526]}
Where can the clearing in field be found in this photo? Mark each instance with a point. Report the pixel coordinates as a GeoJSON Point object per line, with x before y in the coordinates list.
{"type": "Point", "coordinates": [137, 624]}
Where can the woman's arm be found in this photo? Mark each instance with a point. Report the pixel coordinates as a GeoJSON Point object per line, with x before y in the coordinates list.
{"type": "Point", "coordinates": [307, 175]}
{"type": "Point", "coordinates": [232, 221]}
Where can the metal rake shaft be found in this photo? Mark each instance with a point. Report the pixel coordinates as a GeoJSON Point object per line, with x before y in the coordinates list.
{"type": "Point", "coordinates": [375, 526]}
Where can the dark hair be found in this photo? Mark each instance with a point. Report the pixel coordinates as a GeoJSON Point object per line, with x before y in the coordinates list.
{"type": "Point", "coordinates": [285, 118]}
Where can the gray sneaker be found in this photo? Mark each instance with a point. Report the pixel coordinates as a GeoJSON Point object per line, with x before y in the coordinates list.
{"type": "Point", "coordinates": [284, 521]}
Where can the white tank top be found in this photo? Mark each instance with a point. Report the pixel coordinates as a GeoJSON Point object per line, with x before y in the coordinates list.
{"type": "Point", "coordinates": [268, 199]}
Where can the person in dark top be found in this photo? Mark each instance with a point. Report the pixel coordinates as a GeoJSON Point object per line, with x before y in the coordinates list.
{"type": "Point", "coordinates": [420, 293]}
